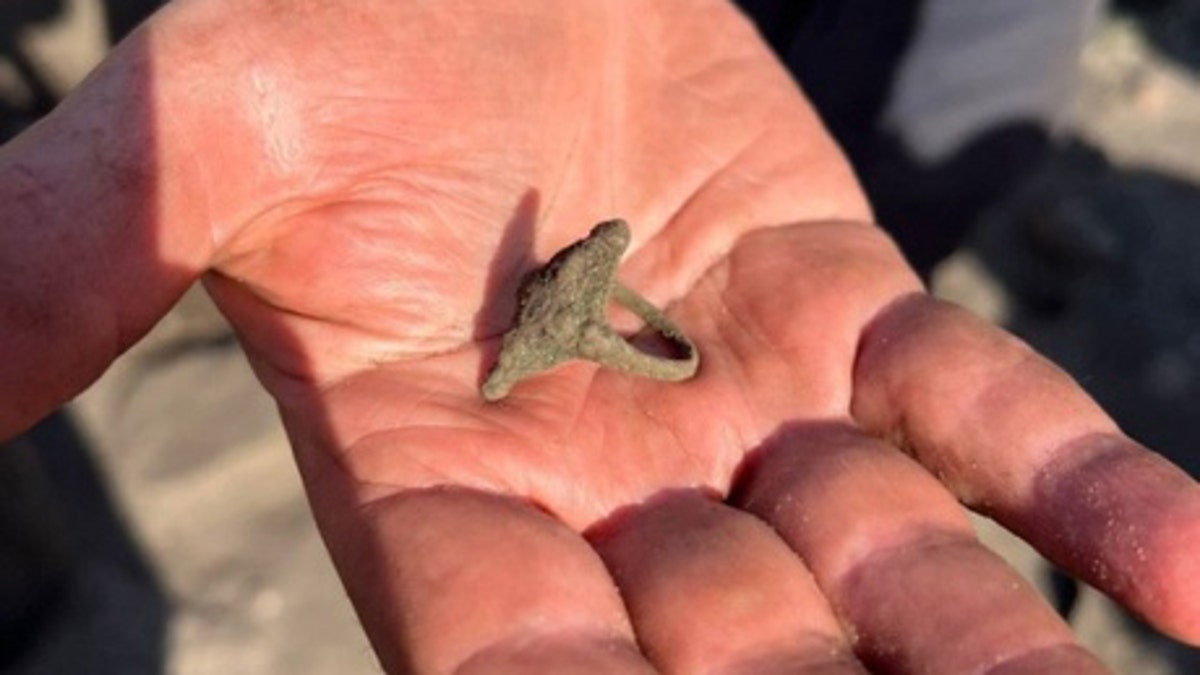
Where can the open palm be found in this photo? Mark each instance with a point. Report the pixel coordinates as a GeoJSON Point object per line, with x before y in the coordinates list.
{"type": "Point", "coordinates": [375, 178]}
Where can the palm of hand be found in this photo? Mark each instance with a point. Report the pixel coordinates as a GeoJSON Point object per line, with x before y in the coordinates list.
{"type": "Point", "coordinates": [384, 264]}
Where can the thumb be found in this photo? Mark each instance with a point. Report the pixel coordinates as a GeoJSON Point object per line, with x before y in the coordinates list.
{"type": "Point", "coordinates": [99, 235]}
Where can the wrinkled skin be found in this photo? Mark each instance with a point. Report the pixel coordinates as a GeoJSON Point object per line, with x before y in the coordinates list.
{"type": "Point", "coordinates": [361, 186]}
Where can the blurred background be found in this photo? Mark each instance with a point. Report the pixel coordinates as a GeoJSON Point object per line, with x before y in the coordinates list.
{"type": "Point", "coordinates": [157, 524]}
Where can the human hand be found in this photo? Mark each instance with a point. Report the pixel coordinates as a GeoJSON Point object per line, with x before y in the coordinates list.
{"type": "Point", "coordinates": [371, 181]}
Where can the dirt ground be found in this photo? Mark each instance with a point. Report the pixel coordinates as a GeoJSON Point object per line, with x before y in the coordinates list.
{"type": "Point", "coordinates": [188, 547]}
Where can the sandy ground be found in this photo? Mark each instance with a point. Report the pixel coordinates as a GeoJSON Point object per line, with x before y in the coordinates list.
{"type": "Point", "coordinates": [189, 548]}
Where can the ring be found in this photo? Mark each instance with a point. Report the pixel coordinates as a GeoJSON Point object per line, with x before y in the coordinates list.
{"type": "Point", "coordinates": [560, 316]}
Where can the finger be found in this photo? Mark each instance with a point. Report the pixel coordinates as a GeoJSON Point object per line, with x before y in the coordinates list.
{"type": "Point", "coordinates": [897, 558]}
{"type": "Point", "coordinates": [453, 580]}
{"type": "Point", "coordinates": [469, 582]}
{"type": "Point", "coordinates": [711, 589]}
{"type": "Point", "coordinates": [1016, 439]}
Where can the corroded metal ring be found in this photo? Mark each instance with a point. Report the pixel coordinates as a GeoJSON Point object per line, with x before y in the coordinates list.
{"type": "Point", "coordinates": [560, 316]}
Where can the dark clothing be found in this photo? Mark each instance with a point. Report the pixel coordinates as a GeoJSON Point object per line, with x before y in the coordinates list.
{"type": "Point", "coordinates": [941, 105]}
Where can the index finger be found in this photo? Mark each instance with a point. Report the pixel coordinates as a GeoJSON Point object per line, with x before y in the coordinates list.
{"type": "Point", "coordinates": [448, 579]}
{"type": "Point", "coordinates": [1016, 439]}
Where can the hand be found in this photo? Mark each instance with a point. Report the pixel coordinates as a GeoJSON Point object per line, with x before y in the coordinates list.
{"type": "Point", "coordinates": [364, 184]}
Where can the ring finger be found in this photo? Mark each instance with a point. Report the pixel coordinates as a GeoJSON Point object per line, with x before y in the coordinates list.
{"type": "Point", "coordinates": [897, 558]}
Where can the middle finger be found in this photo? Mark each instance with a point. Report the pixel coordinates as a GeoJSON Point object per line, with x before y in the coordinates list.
{"type": "Point", "coordinates": [713, 589]}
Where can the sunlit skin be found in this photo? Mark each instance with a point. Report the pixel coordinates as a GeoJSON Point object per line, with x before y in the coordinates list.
{"type": "Point", "coordinates": [361, 185]}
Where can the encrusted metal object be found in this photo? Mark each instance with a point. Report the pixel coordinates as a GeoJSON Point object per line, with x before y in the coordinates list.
{"type": "Point", "coordinates": [560, 316]}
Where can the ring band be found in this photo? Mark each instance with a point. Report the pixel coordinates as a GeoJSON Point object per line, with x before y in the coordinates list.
{"type": "Point", "coordinates": [605, 346]}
